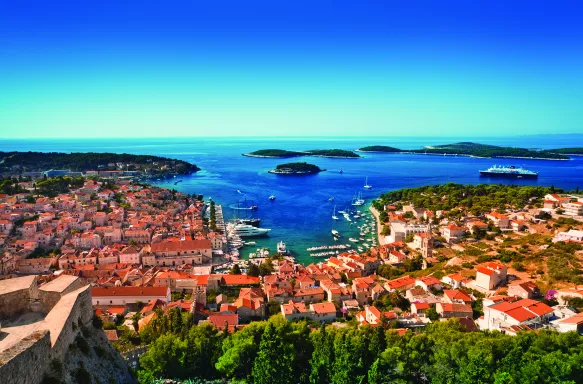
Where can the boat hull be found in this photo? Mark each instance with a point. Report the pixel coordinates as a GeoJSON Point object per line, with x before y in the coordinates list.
{"type": "Point", "coordinates": [508, 175]}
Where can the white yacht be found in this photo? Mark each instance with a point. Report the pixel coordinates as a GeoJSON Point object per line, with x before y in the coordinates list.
{"type": "Point", "coordinates": [281, 248]}
{"type": "Point", "coordinates": [366, 184]}
{"type": "Point", "coordinates": [335, 233]}
{"type": "Point", "coordinates": [245, 230]}
{"type": "Point", "coordinates": [353, 240]}
{"type": "Point", "coordinates": [272, 197]}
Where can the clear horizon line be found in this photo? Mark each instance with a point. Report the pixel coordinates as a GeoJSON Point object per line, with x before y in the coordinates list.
{"type": "Point", "coordinates": [284, 136]}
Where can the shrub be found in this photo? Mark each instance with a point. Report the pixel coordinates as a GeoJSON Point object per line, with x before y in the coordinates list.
{"type": "Point", "coordinates": [82, 344]}
{"type": "Point", "coordinates": [82, 375]}
{"type": "Point", "coordinates": [519, 266]}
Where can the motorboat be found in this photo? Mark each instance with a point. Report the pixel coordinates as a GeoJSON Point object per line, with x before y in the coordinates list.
{"type": "Point", "coordinates": [335, 233]}
{"type": "Point", "coordinates": [353, 240]}
{"type": "Point", "coordinates": [246, 230]}
{"type": "Point", "coordinates": [281, 248]}
{"type": "Point", "coordinates": [272, 197]}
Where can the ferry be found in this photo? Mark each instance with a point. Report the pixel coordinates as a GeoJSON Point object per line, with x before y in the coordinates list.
{"type": "Point", "coordinates": [509, 172]}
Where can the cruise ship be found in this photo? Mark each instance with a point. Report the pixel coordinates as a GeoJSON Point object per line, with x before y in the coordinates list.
{"type": "Point", "coordinates": [509, 172]}
{"type": "Point", "coordinates": [245, 230]}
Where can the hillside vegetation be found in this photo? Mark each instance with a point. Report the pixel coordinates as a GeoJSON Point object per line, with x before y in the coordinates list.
{"type": "Point", "coordinates": [81, 162]}
{"type": "Point", "coordinates": [476, 198]}
{"type": "Point", "coordinates": [281, 352]}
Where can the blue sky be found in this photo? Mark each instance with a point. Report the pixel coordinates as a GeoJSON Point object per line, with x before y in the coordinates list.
{"type": "Point", "coordinates": [221, 68]}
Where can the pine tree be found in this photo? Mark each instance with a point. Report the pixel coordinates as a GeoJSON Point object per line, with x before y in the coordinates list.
{"type": "Point", "coordinates": [273, 364]}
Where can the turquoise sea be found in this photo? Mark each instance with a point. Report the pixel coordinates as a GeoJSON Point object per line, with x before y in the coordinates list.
{"type": "Point", "coordinates": [301, 214]}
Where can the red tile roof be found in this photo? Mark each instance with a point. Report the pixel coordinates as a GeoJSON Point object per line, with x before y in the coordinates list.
{"type": "Point", "coordinates": [186, 245]}
{"type": "Point", "coordinates": [128, 291]}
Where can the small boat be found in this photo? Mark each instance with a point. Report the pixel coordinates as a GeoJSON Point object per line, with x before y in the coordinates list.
{"type": "Point", "coordinates": [347, 217]}
{"type": "Point", "coordinates": [239, 191]}
{"type": "Point", "coordinates": [272, 197]}
{"type": "Point", "coordinates": [366, 184]}
{"type": "Point", "coordinates": [281, 248]}
{"type": "Point", "coordinates": [334, 214]}
{"type": "Point", "coordinates": [353, 240]}
{"type": "Point", "coordinates": [250, 243]}
{"type": "Point", "coordinates": [341, 171]}
{"type": "Point", "coordinates": [342, 212]}
{"type": "Point", "coordinates": [331, 199]}
{"type": "Point", "coordinates": [335, 233]}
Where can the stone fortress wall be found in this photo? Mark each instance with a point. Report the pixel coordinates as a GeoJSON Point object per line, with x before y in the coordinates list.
{"type": "Point", "coordinates": [55, 311]}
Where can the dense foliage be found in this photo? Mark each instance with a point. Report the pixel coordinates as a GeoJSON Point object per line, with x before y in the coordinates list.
{"type": "Point", "coordinates": [313, 152]}
{"type": "Point", "coordinates": [297, 168]}
{"type": "Point", "coordinates": [80, 162]}
{"type": "Point", "coordinates": [476, 198]}
{"type": "Point", "coordinates": [568, 151]}
{"type": "Point", "coordinates": [380, 148]}
{"type": "Point", "coordinates": [276, 153]}
{"type": "Point", "coordinates": [483, 150]}
{"type": "Point", "coordinates": [278, 351]}
{"type": "Point", "coordinates": [333, 153]}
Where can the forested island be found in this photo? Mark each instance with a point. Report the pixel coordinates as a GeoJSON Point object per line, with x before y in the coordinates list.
{"type": "Point", "coordinates": [17, 163]}
{"type": "Point", "coordinates": [480, 150]}
{"type": "Point", "coordinates": [379, 148]}
{"type": "Point", "coordinates": [282, 153]}
{"type": "Point", "coordinates": [296, 169]}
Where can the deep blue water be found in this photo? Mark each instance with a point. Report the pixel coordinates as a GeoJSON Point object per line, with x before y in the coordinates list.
{"type": "Point", "coordinates": [301, 215]}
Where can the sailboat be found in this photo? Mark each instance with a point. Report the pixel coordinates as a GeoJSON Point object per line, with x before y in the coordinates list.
{"type": "Point", "coordinates": [334, 214]}
{"type": "Point", "coordinates": [366, 184]}
{"type": "Point", "coordinates": [358, 200]}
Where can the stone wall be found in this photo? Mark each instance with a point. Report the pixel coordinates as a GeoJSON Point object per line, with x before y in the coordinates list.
{"type": "Point", "coordinates": [66, 318]}
{"type": "Point", "coordinates": [15, 299]}
{"type": "Point", "coordinates": [26, 361]}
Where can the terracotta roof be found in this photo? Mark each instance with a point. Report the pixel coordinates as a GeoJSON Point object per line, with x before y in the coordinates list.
{"type": "Point", "coordinates": [128, 291]}
{"type": "Point", "coordinates": [464, 308]}
{"type": "Point", "coordinates": [240, 280]}
{"type": "Point", "coordinates": [454, 294]}
{"type": "Point", "coordinates": [186, 245]}
{"type": "Point", "coordinates": [219, 320]}
{"type": "Point", "coordinates": [323, 308]}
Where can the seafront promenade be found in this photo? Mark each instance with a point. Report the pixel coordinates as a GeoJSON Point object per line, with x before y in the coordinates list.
{"type": "Point", "coordinates": [381, 238]}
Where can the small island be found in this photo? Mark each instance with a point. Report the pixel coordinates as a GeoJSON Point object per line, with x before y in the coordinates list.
{"type": "Point", "coordinates": [296, 169]}
{"type": "Point", "coordinates": [338, 153]}
{"type": "Point", "coordinates": [278, 153]}
{"type": "Point", "coordinates": [282, 153]}
{"type": "Point", "coordinates": [379, 148]}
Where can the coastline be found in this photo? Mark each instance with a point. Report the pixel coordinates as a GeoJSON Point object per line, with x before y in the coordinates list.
{"type": "Point", "coordinates": [380, 238]}
{"type": "Point", "coordinates": [459, 154]}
